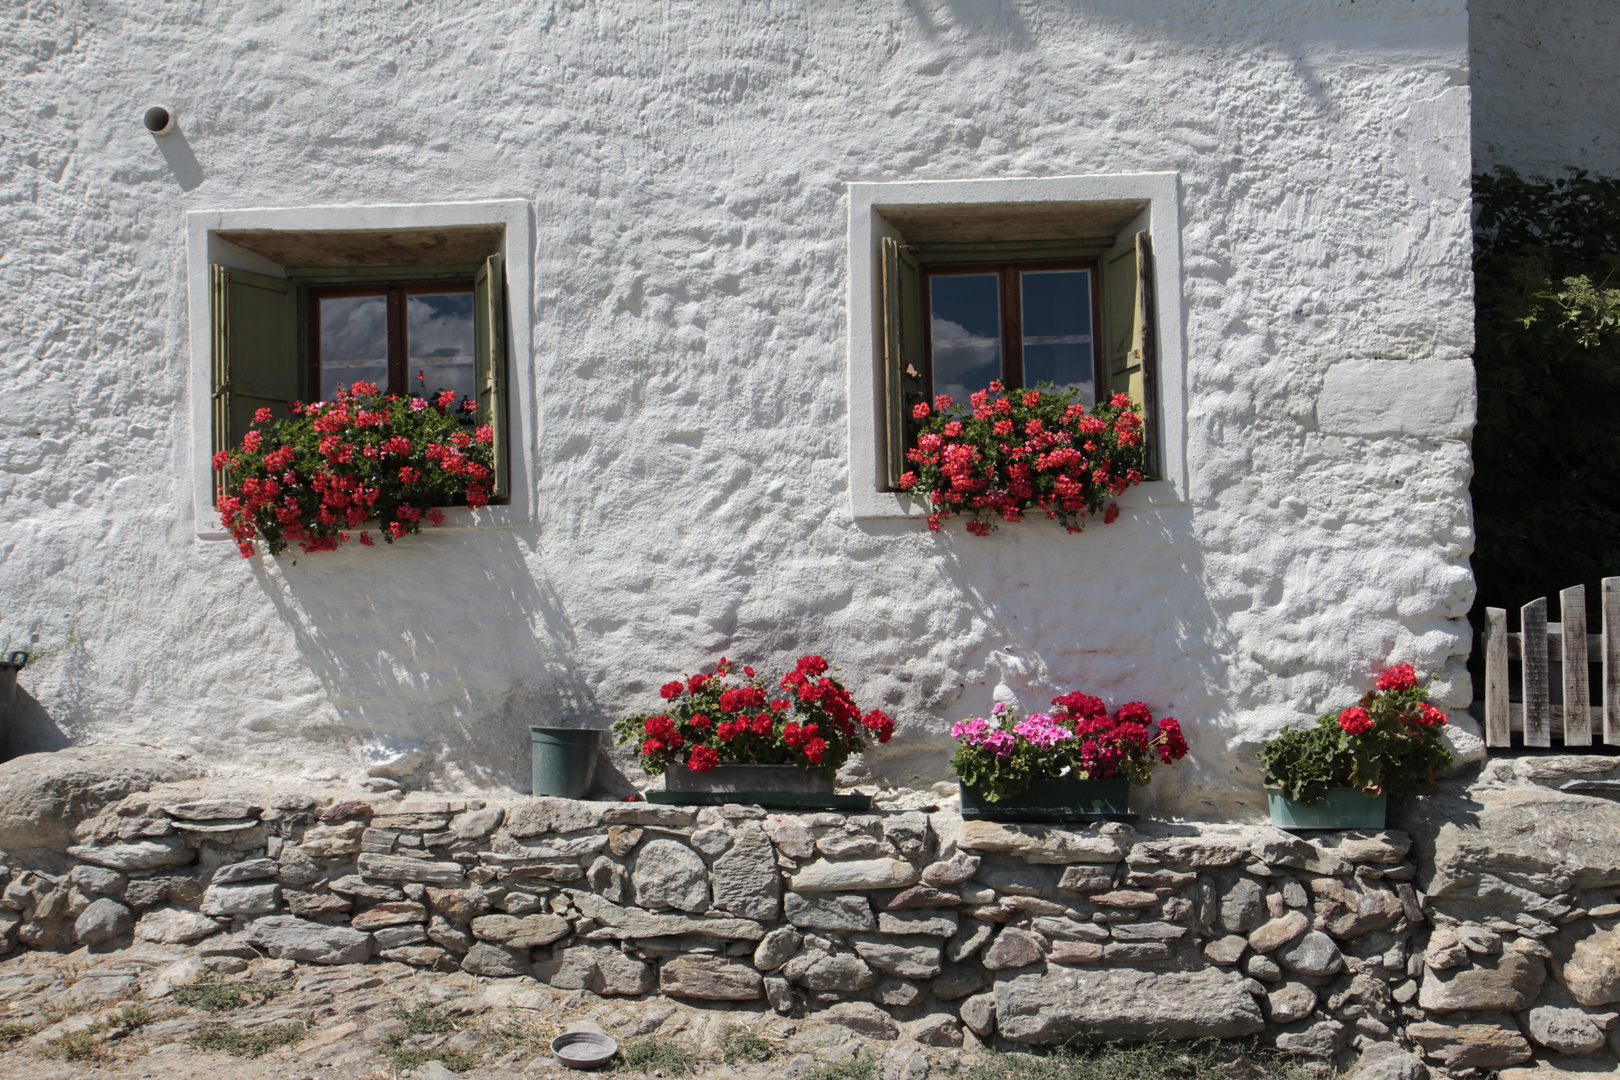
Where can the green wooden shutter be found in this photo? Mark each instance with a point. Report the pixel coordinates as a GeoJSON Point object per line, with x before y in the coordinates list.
{"type": "Point", "coordinates": [1129, 355]}
{"type": "Point", "coordinates": [255, 349]}
{"type": "Point", "coordinates": [489, 346]}
{"type": "Point", "coordinates": [902, 350]}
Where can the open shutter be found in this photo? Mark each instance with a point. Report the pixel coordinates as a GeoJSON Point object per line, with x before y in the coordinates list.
{"type": "Point", "coordinates": [255, 349]}
{"type": "Point", "coordinates": [1129, 351]}
{"type": "Point", "coordinates": [902, 350]}
{"type": "Point", "coordinates": [489, 346]}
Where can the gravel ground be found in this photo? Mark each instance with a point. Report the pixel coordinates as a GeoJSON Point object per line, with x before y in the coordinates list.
{"type": "Point", "coordinates": [138, 1013]}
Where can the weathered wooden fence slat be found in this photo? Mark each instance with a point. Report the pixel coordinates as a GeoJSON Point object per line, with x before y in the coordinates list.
{"type": "Point", "coordinates": [1611, 660]}
{"type": "Point", "coordinates": [1572, 613]}
{"type": "Point", "coordinates": [1498, 730]}
{"type": "Point", "coordinates": [1574, 718]}
{"type": "Point", "coordinates": [1533, 672]}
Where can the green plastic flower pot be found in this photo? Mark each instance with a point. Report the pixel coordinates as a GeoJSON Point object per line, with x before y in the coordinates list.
{"type": "Point", "coordinates": [564, 760]}
{"type": "Point", "coordinates": [1343, 808]}
{"type": "Point", "coordinates": [1052, 799]}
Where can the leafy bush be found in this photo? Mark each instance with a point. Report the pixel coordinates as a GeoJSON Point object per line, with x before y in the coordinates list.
{"type": "Point", "coordinates": [212, 995]}
{"type": "Point", "coordinates": [1385, 743]}
{"type": "Point", "coordinates": [248, 1043]}
{"type": "Point", "coordinates": [650, 1053]}
{"type": "Point", "coordinates": [739, 1046]}
{"type": "Point", "coordinates": [1546, 487]}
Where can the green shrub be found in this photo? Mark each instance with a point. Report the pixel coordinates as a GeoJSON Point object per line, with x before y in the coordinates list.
{"type": "Point", "coordinates": [83, 1045]}
{"type": "Point", "coordinates": [1546, 487]}
{"type": "Point", "coordinates": [455, 1060]}
{"type": "Point", "coordinates": [212, 995]}
{"type": "Point", "coordinates": [740, 1046]}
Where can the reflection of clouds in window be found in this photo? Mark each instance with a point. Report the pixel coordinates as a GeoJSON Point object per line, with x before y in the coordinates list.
{"type": "Point", "coordinates": [947, 333]}
{"type": "Point", "coordinates": [439, 325]}
{"type": "Point", "coordinates": [439, 336]}
{"type": "Point", "coordinates": [354, 328]}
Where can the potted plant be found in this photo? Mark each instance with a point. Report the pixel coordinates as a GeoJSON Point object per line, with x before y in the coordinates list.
{"type": "Point", "coordinates": [363, 456]}
{"type": "Point", "coordinates": [1022, 452]}
{"type": "Point", "coordinates": [722, 731]}
{"type": "Point", "coordinates": [1340, 773]}
{"type": "Point", "coordinates": [1079, 760]}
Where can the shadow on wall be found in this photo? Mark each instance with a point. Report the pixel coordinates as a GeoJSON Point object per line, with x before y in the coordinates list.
{"type": "Point", "coordinates": [29, 729]}
{"type": "Point", "coordinates": [1038, 637]}
{"type": "Point", "coordinates": [439, 650]}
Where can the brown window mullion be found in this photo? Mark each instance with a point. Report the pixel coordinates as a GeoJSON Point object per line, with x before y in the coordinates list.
{"type": "Point", "coordinates": [398, 379]}
{"type": "Point", "coordinates": [1012, 335]}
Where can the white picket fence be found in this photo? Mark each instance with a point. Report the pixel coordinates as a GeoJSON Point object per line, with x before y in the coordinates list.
{"type": "Point", "coordinates": [1540, 648]}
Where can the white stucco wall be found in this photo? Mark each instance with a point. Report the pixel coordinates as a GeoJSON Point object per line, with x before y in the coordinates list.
{"type": "Point", "coordinates": [687, 167]}
{"type": "Point", "coordinates": [1546, 84]}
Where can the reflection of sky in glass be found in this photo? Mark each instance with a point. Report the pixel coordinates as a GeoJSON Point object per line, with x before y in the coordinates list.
{"type": "Point", "coordinates": [439, 343]}
{"type": "Point", "coordinates": [1057, 330]}
{"type": "Point", "coordinates": [354, 341]}
{"type": "Point", "coordinates": [965, 330]}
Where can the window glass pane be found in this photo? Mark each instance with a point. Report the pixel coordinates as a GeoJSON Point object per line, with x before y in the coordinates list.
{"type": "Point", "coordinates": [439, 345]}
{"type": "Point", "coordinates": [964, 332]}
{"type": "Point", "coordinates": [354, 342]}
{"type": "Point", "coordinates": [1057, 330]}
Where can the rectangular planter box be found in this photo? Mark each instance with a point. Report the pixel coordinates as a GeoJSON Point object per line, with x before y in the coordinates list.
{"type": "Point", "coordinates": [1343, 808]}
{"type": "Point", "coordinates": [1053, 800]}
{"type": "Point", "coordinates": [747, 780]}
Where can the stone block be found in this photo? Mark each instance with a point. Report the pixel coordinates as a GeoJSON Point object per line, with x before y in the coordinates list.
{"type": "Point", "coordinates": [907, 958]}
{"type": "Point", "coordinates": [928, 923]}
{"type": "Point", "coordinates": [861, 1017]}
{"type": "Point", "coordinates": [528, 932]}
{"type": "Point", "coordinates": [953, 871]}
{"type": "Point", "coordinates": [287, 937]}
{"type": "Point", "coordinates": [710, 978]}
{"type": "Point", "coordinates": [141, 855]}
{"type": "Point", "coordinates": [1014, 948]}
{"type": "Point", "coordinates": [857, 874]}
{"type": "Point", "coordinates": [1485, 1041]}
{"type": "Point", "coordinates": [1315, 954]}
{"type": "Point", "coordinates": [600, 969]}
{"type": "Point", "coordinates": [497, 961]}
{"type": "Point", "coordinates": [174, 926]}
{"type": "Point", "coordinates": [418, 871]}
{"type": "Point", "coordinates": [668, 874]}
{"type": "Point", "coordinates": [1322, 1039]}
{"type": "Point", "coordinates": [103, 921]}
{"type": "Point", "coordinates": [830, 912]}
{"type": "Point", "coordinates": [1505, 984]}
{"type": "Point", "coordinates": [1129, 1004]}
{"type": "Point", "coordinates": [825, 972]}
{"type": "Point", "coordinates": [1592, 972]}
{"type": "Point", "coordinates": [745, 879]}
{"type": "Point", "coordinates": [1278, 932]}
{"type": "Point", "coordinates": [1039, 844]}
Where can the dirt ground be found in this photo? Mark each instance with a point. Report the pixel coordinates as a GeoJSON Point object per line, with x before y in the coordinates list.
{"type": "Point", "coordinates": [154, 1013]}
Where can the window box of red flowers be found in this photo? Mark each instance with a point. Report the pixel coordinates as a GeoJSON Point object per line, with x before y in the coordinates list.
{"type": "Point", "coordinates": [1016, 452]}
{"type": "Point", "coordinates": [362, 458]}
{"type": "Point", "coordinates": [1075, 764]}
{"type": "Point", "coordinates": [1340, 773]}
{"type": "Point", "coordinates": [725, 732]}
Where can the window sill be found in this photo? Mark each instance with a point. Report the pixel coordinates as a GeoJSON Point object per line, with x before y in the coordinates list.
{"type": "Point", "coordinates": [456, 518]}
{"type": "Point", "coordinates": [888, 504]}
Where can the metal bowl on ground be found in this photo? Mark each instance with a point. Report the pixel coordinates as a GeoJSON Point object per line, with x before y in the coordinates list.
{"type": "Point", "coordinates": [583, 1049]}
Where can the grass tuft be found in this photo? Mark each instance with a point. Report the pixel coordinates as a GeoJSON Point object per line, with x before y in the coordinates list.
{"type": "Point", "coordinates": [212, 995]}
{"type": "Point", "coordinates": [424, 1020]}
{"type": "Point", "coordinates": [645, 1055]}
{"type": "Point", "coordinates": [1204, 1060]}
{"type": "Point", "coordinates": [739, 1046]}
{"type": "Point", "coordinates": [454, 1060]}
{"type": "Point", "coordinates": [134, 1016]}
{"type": "Point", "coordinates": [76, 1046]}
{"type": "Point", "coordinates": [861, 1067]}
{"type": "Point", "coordinates": [255, 1043]}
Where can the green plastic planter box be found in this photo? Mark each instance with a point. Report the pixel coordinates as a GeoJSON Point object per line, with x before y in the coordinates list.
{"type": "Point", "coordinates": [1053, 800]}
{"type": "Point", "coordinates": [1343, 808]}
{"type": "Point", "coordinates": [564, 760]}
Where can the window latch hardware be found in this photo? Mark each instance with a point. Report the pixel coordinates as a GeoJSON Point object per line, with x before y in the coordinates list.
{"type": "Point", "coordinates": [221, 392]}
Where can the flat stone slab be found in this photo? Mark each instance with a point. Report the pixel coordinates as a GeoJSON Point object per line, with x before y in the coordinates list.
{"type": "Point", "coordinates": [1132, 1004]}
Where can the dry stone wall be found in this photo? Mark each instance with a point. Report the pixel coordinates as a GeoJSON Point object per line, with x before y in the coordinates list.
{"type": "Point", "coordinates": [909, 923]}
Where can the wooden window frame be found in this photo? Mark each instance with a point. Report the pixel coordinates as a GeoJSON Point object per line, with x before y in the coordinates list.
{"type": "Point", "coordinates": [1010, 287]}
{"type": "Point", "coordinates": [395, 294]}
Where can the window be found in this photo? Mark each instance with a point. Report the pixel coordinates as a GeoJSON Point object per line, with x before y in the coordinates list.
{"type": "Point", "coordinates": [410, 330]}
{"type": "Point", "coordinates": [951, 280]}
{"type": "Point", "coordinates": [1068, 314]}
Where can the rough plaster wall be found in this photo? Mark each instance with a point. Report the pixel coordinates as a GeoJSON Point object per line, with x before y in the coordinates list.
{"type": "Point", "coordinates": [687, 167]}
{"type": "Point", "coordinates": [1546, 84]}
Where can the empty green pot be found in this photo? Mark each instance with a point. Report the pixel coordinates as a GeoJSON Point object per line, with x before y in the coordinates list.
{"type": "Point", "coordinates": [1342, 808]}
{"type": "Point", "coordinates": [564, 760]}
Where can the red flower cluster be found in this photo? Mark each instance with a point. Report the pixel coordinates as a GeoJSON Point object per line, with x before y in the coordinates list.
{"type": "Point", "coordinates": [721, 717]}
{"type": "Point", "coordinates": [1356, 721]}
{"type": "Point", "coordinates": [1123, 744]}
{"type": "Point", "coordinates": [1029, 451]}
{"type": "Point", "coordinates": [341, 463]}
{"type": "Point", "coordinates": [1399, 677]}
